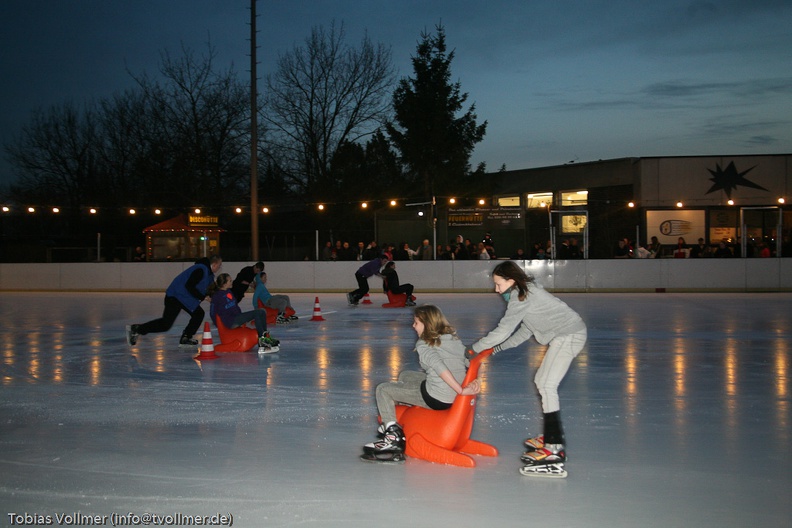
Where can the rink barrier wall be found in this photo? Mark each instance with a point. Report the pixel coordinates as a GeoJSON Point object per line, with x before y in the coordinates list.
{"type": "Point", "coordinates": [650, 275]}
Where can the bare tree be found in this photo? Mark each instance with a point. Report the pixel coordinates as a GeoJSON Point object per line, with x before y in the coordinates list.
{"type": "Point", "coordinates": [201, 117]}
{"type": "Point", "coordinates": [55, 156]}
{"type": "Point", "coordinates": [322, 95]}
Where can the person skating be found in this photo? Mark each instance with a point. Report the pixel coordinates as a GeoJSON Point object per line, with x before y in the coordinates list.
{"type": "Point", "coordinates": [532, 311]}
{"type": "Point", "coordinates": [390, 283]}
{"type": "Point", "coordinates": [185, 292]}
{"type": "Point", "coordinates": [442, 357]}
{"type": "Point", "coordinates": [279, 302]}
{"type": "Point", "coordinates": [244, 280]}
{"type": "Point", "coordinates": [224, 306]}
{"type": "Point", "coordinates": [369, 269]}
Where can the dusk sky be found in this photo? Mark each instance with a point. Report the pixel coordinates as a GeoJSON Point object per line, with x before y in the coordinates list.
{"type": "Point", "coordinates": [558, 81]}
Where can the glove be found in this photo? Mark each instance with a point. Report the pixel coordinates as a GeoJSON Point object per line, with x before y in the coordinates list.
{"type": "Point", "coordinates": [470, 353]}
{"type": "Point", "coordinates": [496, 349]}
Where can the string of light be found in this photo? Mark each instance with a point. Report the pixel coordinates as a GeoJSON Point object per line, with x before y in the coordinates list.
{"type": "Point", "coordinates": [319, 206]}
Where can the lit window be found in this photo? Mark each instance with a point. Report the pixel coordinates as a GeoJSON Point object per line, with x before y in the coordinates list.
{"type": "Point", "coordinates": [539, 200]}
{"type": "Point", "coordinates": [574, 198]}
{"type": "Point", "coordinates": [508, 201]}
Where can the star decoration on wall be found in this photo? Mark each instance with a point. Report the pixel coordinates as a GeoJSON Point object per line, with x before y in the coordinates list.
{"type": "Point", "coordinates": [727, 180]}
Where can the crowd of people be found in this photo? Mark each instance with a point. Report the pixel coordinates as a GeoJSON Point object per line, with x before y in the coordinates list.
{"type": "Point", "coordinates": [725, 248]}
{"type": "Point", "coordinates": [458, 248]}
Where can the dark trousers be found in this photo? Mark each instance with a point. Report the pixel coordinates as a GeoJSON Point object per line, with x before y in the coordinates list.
{"type": "Point", "coordinates": [404, 288]}
{"type": "Point", "coordinates": [363, 287]}
{"type": "Point", "coordinates": [169, 314]}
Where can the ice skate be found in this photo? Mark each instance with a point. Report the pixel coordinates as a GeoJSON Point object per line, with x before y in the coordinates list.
{"type": "Point", "coordinates": [392, 443]}
{"type": "Point", "coordinates": [266, 340]}
{"type": "Point", "coordinates": [187, 341]}
{"type": "Point", "coordinates": [549, 454]}
{"type": "Point", "coordinates": [268, 349]}
{"type": "Point", "coordinates": [282, 319]}
{"type": "Point", "coordinates": [382, 458]}
{"type": "Point", "coordinates": [132, 334]}
{"type": "Point", "coordinates": [544, 471]}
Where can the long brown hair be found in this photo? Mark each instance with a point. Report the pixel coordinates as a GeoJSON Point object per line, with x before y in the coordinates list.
{"type": "Point", "coordinates": [509, 270]}
{"type": "Point", "coordinates": [217, 284]}
{"type": "Point", "coordinates": [435, 324]}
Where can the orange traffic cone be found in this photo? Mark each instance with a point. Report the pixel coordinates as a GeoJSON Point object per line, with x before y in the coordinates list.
{"type": "Point", "coordinates": [366, 299]}
{"type": "Point", "coordinates": [207, 346]}
{"type": "Point", "coordinates": [317, 313]}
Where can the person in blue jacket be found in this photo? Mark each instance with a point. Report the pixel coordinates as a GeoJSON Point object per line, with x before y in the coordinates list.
{"type": "Point", "coordinates": [185, 292]}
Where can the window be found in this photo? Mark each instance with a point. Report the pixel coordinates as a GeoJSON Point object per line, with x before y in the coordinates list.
{"type": "Point", "coordinates": [574, 198]}
{"type": "Point", "coordinates": [508, 201]}
{"type": "Point", "coordinates": [539, 200]}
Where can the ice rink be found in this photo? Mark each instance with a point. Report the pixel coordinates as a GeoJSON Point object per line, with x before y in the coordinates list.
{"type": "Point", "coordinates": [677, 414]}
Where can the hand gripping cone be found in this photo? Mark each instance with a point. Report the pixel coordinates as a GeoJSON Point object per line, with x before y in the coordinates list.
{"type": "Point", "coordinates": [366, 299]}
{"type": "Point", "coordinates": [207, 346]}
{"type": "Point", "coordinates": [317, 313]}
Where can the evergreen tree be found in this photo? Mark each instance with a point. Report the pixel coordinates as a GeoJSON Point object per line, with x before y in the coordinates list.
{"type": "Point", "coordinates": [434, 143]}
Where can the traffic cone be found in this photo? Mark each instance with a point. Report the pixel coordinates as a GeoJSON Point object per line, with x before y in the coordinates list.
{"type": "Point", "coordinates": [317, 313]}
{"type": "Point", "coordinates": [207, 346]}
{"type": "Point", "coordinates": [366, 299]}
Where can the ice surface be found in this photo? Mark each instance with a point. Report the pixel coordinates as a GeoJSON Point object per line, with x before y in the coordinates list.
{"type": "Point", "coordinates": [677, 413]}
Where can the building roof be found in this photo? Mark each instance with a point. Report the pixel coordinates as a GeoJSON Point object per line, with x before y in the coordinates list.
{"type": "Point", "coordinates": [180, 224]}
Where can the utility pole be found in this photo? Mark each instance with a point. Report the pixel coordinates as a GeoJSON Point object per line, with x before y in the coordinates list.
{"type": "Point", "coordinates": [254, 236]}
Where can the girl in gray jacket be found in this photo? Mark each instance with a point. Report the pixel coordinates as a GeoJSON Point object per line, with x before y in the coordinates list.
{"type": "Point", "coordinates": [532, 311]}
{"type": "Point", "coordinates": [442, 358]}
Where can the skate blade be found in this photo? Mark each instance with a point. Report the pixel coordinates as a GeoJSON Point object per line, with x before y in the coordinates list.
{"type": "Point", "coordinates": [271, 350]}
{"type": "Point", "coordinates": [384, 458]}
{"type": "Point", "coordinates": [555, 471]}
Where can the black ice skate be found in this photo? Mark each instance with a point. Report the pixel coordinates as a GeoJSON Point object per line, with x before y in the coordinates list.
{"type": "Point", "coordinates": [187, 341]}
{"type": "Point", "coordinates": [389, 449]}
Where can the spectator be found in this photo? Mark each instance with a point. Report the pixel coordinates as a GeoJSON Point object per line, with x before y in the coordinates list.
{"type": "Point", "coordinates": [483, 254]}
{"type": "Point", "coordinates": [681, 250]}
{"type": "Point", "coordinates": [563, 250]}
{"type": "Point", "coordinates": [371, 251]}
{"type": "Point", "coordinates": [723, 250]}
{"type": "Point", "coordinates": [425, 251]}
{"type": "Point", "coordinates": [655, 249]}
{"type": "Point", "coordinates": [574, 250]}
{"type": "Point", "coordinates": [327, 251]}
{"type": "Point", "coordinates": [403, 252]}
{"type": "Point", "coordinates": [622, 250]}
{"type": "Point", "coordinates": [700, 250]}
{"type": "Point", "coordinates": [461, 251]}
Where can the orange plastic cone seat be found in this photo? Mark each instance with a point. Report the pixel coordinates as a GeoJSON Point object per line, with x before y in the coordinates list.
{"type": "Point", "coordinates": [444, 436]}
{"type": "Point", "coordinates": [239, 339]}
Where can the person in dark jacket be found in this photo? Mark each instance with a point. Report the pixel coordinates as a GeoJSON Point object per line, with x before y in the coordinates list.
{"type": "Point", "coordinates": [390, 283]}
{"type": "Point", "coordinates": [369, 269]}
{"type": "Point", "coordinates": [244, 279]}
{"type": "Point", "coordinates": [185, 292]}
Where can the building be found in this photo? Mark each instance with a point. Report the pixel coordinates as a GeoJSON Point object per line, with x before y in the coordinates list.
{"type": "Point", "coordinates": [714, 198]}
